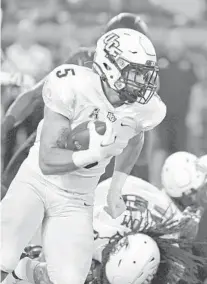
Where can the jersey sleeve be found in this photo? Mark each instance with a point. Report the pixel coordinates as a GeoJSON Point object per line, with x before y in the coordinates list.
{"type": "Point", "coordinates": [58, 93]}
{"type": "Point", "coordinates": [152, 114]}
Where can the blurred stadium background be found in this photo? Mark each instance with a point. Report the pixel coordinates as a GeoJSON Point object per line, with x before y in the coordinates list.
{"type": "Point", "coordinates": [178, 29]}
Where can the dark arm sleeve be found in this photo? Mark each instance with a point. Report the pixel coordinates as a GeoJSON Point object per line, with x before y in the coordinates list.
{"type": "Point", "coordinates": [81, 57]}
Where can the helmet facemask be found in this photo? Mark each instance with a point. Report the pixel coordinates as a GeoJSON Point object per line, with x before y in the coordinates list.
{"type": "Point", "coordinates": [137, 82]}
{"type": "Point", "coordinates": [126, 60]}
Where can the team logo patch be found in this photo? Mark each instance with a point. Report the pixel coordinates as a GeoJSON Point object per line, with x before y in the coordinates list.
{"type": "Point", "coordinates": [111, 116]}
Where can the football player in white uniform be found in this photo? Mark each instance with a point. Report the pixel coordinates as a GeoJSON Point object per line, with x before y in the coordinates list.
{"type": "Point", "coordinates": [53, 185]}
{"type": "Point", "coordinates": [26, 102]}
{"type": "Point", "coordinates": [151, 221]}
{"type": "Point", "coordinates": [31, 100]}
{"type": "Point", "coordinates": [184, 178]}
{"type": "Point", "coordinates": [151, 211]}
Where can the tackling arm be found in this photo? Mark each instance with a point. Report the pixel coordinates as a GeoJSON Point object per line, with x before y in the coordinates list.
{"type": "Point", "coordinates": [125, 162]}
{"type": "Point", "coordinates": [22, 107]}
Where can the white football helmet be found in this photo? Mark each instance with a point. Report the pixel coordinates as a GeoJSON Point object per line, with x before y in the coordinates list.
{"type": "Point", "coordinates": [126, 60]}
{"type": "Point", "coordinates": [180, 174]}
{"type": "Point", "coordinates": [134, 259]}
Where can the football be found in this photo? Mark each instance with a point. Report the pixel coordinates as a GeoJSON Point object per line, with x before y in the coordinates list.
{"type": "Point", "coordinates": [80, 135]}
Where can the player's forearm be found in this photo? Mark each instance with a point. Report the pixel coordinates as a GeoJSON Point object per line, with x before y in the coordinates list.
{"type": "Point", "coordinates": [61, 161]}
{"type": "Point", "coordinates": [57, 161]}
{"type": "Point", "coordinates": [125, 162]}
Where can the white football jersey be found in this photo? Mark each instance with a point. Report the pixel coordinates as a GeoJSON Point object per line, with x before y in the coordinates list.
{"type": "Point", "coordinates": [76, 93]}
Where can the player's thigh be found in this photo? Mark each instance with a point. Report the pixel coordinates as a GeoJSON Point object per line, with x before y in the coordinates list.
{"type": "Point", "coordinates": [22, 212]}
{"type": "Point", "coordinates": [68, 246]}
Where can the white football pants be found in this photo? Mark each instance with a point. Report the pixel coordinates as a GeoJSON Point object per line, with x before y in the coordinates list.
{"type": "Point", "coordinates": [67, 231]}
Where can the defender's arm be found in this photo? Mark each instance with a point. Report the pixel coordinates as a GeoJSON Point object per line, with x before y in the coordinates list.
{"type": "Point", "coordinates": [22, 107]}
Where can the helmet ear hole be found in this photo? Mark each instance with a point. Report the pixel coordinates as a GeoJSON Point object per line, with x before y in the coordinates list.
{"type": "Point", "coordinates": [108, 68]}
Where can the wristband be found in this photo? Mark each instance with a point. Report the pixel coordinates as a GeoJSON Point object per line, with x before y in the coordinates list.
{"type": "Point", "coordinates": [83, 158]}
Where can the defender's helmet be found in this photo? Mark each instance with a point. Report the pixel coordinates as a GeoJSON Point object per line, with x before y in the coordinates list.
{"type": "Point", "coordinates": [134, 259]}
{"type": "Point", "coordinates": [180, 175]}
{"type": "Point", "coordinates": [129, 21]}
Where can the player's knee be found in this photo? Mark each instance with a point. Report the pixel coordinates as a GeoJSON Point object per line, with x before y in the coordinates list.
{"type": "Point", "coordinates": [9, 258]}
{"type": "Point", "coordinates": [9, 262]}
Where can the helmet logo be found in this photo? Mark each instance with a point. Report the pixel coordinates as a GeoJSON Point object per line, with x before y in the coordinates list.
{"type": "Point", "coordinates": [112, 45]}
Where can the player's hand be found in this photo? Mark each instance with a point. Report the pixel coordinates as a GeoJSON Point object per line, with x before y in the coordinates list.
{"type": "Point", "coordinates": [115, 205]}
{"type": "Point", "coordinates": [100, 146]}
{"type": "Point", "coordinates": [107, 145]}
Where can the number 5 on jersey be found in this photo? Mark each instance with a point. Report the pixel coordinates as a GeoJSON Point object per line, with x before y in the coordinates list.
{"type": "Point", "coordinates": [65, 72]}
